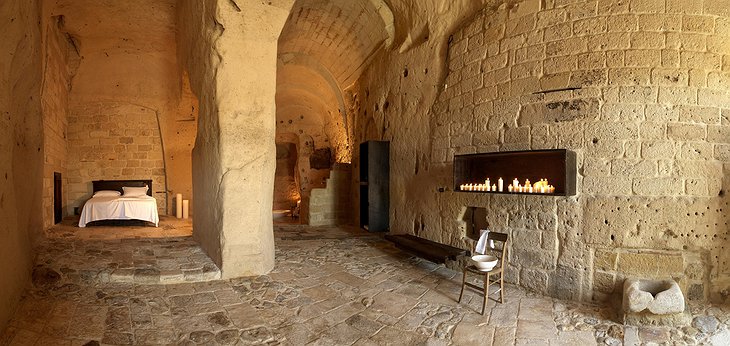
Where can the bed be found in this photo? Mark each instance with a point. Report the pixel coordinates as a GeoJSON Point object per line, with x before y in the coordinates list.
{"type": "Point", "coordinates": [105, 205]}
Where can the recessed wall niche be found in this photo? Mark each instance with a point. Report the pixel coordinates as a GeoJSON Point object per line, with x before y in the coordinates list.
{"type": "Point", "coordinates": [532, 172]}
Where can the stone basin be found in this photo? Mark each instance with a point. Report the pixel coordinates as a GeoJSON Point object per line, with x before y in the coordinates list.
{"type": "Point", "coordinates": [661, 297]}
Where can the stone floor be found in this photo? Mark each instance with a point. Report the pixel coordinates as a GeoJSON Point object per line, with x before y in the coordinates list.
{"type": "Point", "coordinates": [137, 253]}
{"type": "Point", "coordinates": [331, 286]}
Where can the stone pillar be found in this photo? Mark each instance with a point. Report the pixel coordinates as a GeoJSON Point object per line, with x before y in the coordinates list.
{"type": "Point", "coordinates": [229, 48]}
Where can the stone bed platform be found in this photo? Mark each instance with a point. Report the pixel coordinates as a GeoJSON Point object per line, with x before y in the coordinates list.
{"type": "Point", "coordinates": [122, 254]}
{"type": "Point", "coordinates": [346, 288]}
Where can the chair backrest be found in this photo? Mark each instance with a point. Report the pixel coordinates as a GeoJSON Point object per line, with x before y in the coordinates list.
{"type": "Point", "coordinates": [500, 237]}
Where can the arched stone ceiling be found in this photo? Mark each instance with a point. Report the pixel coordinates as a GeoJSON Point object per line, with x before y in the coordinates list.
{"type": "Point", "coordinates": [340, 34]}
{"type": "Point", "coordinates": [323, 48]}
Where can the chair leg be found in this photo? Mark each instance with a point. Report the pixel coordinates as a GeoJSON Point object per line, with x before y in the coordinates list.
{"type": "Point", "coordinates": [501, 288]}
{"type": "Point", "coordinates": [486, 293]}
{"type": "Point", "coordinates": [463, 283]}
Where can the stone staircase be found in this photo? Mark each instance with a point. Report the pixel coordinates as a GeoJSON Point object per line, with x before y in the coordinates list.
{"type": "Point", "coordinates": [332, 205]}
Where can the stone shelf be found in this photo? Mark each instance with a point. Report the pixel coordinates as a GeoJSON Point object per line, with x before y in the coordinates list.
{"type": "Point", "coordinates": [556, 165]}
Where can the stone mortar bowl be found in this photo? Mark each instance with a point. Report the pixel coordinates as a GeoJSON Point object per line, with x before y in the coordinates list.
{"type": "Point", "coordinates": [484, 262]}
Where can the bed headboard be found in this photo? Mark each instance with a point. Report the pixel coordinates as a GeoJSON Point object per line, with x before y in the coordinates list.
{"type": "Point", "coordinates": [116, 185]}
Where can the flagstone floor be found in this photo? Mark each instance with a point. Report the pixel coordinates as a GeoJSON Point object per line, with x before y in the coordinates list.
{"type": "Point", "coordinates": [330, 286]}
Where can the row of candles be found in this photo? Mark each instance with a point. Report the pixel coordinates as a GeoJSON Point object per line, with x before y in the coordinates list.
{"type": "Point", "coordinates": [541, 186]}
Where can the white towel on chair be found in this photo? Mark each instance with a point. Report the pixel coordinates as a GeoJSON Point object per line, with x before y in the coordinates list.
{"type": "Point", "coordinates": [481, 247]}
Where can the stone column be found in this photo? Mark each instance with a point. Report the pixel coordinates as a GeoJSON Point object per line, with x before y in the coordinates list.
{"type": "Point", "coordinates": [234, 76]}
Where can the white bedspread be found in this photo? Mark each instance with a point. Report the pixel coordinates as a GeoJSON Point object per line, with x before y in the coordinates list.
{"type": "Point", "coordinates": [120, 208]}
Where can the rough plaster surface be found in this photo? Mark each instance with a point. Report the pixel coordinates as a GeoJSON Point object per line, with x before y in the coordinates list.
{"type": "Point", "coordinates": [234, 155]}
{"type": "Point", "coordinates": [21, 148]}
{"type": "Point", "coordinates": [650, 126]}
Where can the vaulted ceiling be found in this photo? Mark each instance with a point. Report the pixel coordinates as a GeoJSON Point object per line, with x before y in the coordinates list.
{"type": "Point", "coordinates": [323, 49]}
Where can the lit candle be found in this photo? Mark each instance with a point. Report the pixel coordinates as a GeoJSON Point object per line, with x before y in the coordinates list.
{"type": "Point", "coordinates": [488, 183]}
{"type": "Point", "coordinates": [520, 188]}
{"type": "Point", "coordinates": [516, 183]}
{"type": "Point", "coordinates": [178, 205]}
{"type": "Point", "coordinates": [186, 208]}
{"type": "Point", "coordinates": [510, 188]}
{"type": "Point", "coordinates": [529, 189]}
{"type": "Point", "coordinates": [501, 184]}
{"type": "Point", "coordinates": [489, 187]}
{"type": "Point", "coordinates": [527, 182]}
{"type": "Point", "coordinates": [542, 188]}
{"type": "Point", "coordinates": [461, 187]}
{"type": "Point", "coordinates": [494, 188]}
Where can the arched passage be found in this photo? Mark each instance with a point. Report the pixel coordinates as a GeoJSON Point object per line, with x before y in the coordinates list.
{"type": "Point", "coordinates": [324, 47]}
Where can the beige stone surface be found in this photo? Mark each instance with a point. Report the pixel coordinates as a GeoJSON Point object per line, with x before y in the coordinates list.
{"type": "Point", "coordinates": [21, 148]}
{"type": "Point", "coordinates": [117, 91]}
{"type": "Point", "coordinates": [645, 125]}
{"type": "Point", "coordinates": [330, 206]}
{"type": "Point", "coordinates": [377, 296]}
{"type": "Point", "coordinates": [234, 155]}
{"type": "Point", "coordinates": [59, 57]}
{"type": "Point", "coordinates": [123, 83]}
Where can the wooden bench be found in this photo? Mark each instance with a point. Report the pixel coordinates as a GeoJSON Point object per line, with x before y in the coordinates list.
{"type": "Point", "coordinates": [424, 248]}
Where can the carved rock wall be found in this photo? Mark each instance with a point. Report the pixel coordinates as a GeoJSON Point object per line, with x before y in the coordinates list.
{"type": "Point", "coordinates": [649, 123]}
{"type": "Point", "coordinates": [234, 156]}
{"type": "Point", "coordinates": [126, 96]}
{"type": "Point", "coordinates": [21, 148]}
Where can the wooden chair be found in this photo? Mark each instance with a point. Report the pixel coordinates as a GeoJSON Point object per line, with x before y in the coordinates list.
{"type": "Point", "coordinates": [489, 277]}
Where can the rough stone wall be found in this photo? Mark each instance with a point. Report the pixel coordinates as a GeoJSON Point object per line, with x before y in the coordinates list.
{"type": "Point", "coordinates": [234, 155]}
{"type": "Point", "coordinates": [329, 206]}
{"type": "Point", "coordinates": [21, 145]}
{"type": "Point", "coordinates": [392, 101]}
{"type": "Point", "coordinates": [54, 99]}
{"type": "Point", "coordinates": [178, 137]}
{"type": "Point", "coordinates": [127, 64]}
{"type": "Point", "coordinates": [113, 141]}
{"type": "Point", "coordinates": [197, 32]}
{"type": "Point", "coordinates": [286, 188]}
{"type": "Point", "coordinates": [649, 123]}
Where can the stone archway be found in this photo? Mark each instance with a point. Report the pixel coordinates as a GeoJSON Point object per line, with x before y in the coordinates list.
{"type": "Point", "coordinates": [287, 180]}
{"type": "Point", "coordinates": [230, 49]}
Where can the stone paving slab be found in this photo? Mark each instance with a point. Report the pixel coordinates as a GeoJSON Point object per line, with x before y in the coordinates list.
{"type": "Point", "coordinates": [339, 290]}
{"type": "Point", "coordinates": [122, 254]}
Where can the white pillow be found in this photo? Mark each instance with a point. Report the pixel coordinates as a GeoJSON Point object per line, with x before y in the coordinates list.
{"type": "Point", "coordinates": [135, 191]}
{"type": "Point", "coordinates": [107, 193]}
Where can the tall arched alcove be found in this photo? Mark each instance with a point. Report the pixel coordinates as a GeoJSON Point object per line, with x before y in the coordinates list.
{"type": "Point", "coordinates": [322, 50]}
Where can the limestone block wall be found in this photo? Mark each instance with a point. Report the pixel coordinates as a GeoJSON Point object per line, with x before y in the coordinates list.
{"type": "Point", "coordinates": [110, 141]}
{"type": "Point", "coordinates": [126, 77]}
{"type": "Point", "coordinates": [21, 148]}
{"type": "Point", "coordinates": [649, 122]}
{"type": "Point", "coordinates": [330, 206]}
{"type": "Point", "coordinates": [54, 99]}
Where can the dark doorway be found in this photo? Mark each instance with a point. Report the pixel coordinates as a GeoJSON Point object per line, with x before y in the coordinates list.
{"type": "Point", "coordinates": [57, 198]}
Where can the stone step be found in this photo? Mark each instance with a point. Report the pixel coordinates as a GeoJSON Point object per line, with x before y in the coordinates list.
{"type": "Point", "coordinates": [137, 261]}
